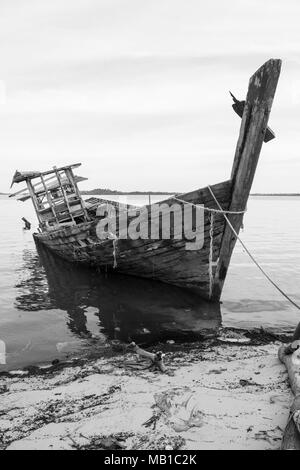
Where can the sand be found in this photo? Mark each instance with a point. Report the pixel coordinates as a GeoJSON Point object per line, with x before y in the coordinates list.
{"type": "Point", "coordinates": [213, 396]}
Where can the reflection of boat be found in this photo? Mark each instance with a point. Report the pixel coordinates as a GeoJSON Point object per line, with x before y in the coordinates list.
{"type": "Point", "coordinates": [69, 226]}
{"type": "Point", "coordinates": [124, 308]}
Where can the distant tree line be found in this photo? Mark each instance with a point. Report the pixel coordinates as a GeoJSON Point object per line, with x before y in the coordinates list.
{"type": "Point", "coordinates": [275, 194]}
{"type": "Point", "coordinates": [107, 191]}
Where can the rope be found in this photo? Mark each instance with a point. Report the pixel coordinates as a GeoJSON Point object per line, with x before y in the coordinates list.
{"type": "Point", "coordinates": [209, 209]}
{"type": "Point", "coordinates": [212, 212]}
{"type": "Point", "coordinates": [210, 270]}
{"type": "Point", "coordinates": [114, 238]}
{"type": "Point", "coordinates": [224, 212]}
{"type": "Point", "coordinates": [115, 241]}
{"type": "Point", "coordinates": [252, 257]}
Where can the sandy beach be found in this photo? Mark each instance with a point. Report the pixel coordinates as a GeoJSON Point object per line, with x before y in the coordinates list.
{"type": "Point", "coordinates": [214, 395]}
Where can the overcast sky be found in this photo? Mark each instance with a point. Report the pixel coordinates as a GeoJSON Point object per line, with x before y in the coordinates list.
{"type": "Point", "coordinates": [137, 90]}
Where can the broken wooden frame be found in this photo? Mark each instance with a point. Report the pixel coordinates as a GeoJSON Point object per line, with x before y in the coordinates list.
{"type": "Point", "coordinates": [56, 199]}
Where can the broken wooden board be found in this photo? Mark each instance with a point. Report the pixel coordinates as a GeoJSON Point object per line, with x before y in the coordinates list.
{"type": "Point", "coordinates": [238, 106]}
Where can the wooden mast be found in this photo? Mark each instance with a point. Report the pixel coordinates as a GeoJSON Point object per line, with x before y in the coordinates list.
{"type": "Point", "coordinates": [261, 91]}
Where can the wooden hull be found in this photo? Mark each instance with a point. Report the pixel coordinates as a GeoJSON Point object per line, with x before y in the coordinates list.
{"type": "Point", "coordinates": [163, 260]}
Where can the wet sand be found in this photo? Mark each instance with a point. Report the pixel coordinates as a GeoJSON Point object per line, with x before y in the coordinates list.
{"type": "Point", "coordinates": [215, 395]}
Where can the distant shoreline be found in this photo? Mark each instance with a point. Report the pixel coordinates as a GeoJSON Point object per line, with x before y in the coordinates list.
{"type": "Point", "coordinates": [96, 192]}
{"type": "Point", "coordinates": [108, 192]}
{"type": "Point", "coordinates": [275, 194]}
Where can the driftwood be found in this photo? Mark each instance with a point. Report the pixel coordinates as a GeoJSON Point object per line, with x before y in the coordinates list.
{"type": "Point", "coordinates": [290, 356]}
{"type": "Point", "coordinates": [156, 359]}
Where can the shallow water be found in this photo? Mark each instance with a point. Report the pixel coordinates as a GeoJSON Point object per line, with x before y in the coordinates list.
{"type": "Point", "coordinates": [49, 308]}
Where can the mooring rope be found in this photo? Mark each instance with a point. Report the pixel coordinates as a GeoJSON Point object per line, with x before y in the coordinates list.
{"type": "Point", "coordinates": [252, 257]}
{"type": "Point", "coordinates": [224, 212]}
{"type": "Point", "coordinates": [211, 232]}
{"type": "Point", "coordinates": [115, 241]}
{"type": "Point", "coordinates": [211, 246]}
{"type": "Point", "coordinates": [209, 209]}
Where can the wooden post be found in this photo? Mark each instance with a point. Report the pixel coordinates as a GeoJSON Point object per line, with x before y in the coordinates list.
{"type": "Point", "coordinates": [34, 200]}
{"type": "Point", "coordinates": [71, 177]}
{"type": "Point", "coordinates": [261, 91]}
{"type": "Point", "coordinates": [63, 192]}
{"type": "Point", "coordinates": [49, 198]}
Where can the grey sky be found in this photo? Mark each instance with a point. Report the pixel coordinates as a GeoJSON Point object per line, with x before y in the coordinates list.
{"type": "Point", "coordinates": [138, 90]}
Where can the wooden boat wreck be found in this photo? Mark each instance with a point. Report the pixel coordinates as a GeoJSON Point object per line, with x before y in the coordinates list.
{"type": "Point", "coordinates": [68, 223]}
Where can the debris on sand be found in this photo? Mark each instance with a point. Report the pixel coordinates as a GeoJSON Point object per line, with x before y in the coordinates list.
{"type": "Point", "coordinates": [99, 403]}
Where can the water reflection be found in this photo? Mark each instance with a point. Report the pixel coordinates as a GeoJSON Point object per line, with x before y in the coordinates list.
{"type": "Point", "coordinates": [113, 306]}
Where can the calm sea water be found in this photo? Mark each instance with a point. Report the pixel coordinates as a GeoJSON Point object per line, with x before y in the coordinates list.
{"type": "Point", "coordinates": [49, 308]}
